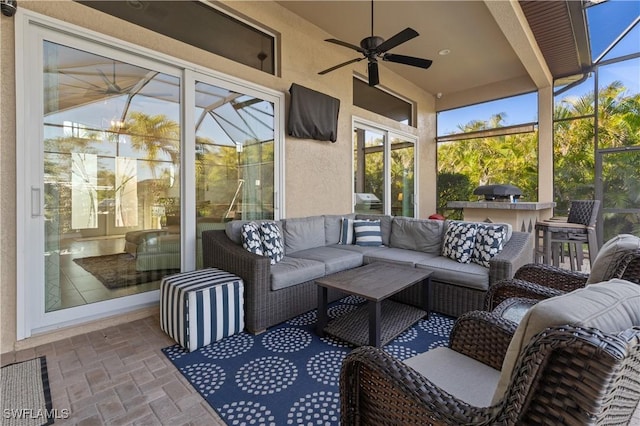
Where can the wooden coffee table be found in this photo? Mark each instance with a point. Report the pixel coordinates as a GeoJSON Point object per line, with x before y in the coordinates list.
{"type": "Point", "coordinates": [382, 318]}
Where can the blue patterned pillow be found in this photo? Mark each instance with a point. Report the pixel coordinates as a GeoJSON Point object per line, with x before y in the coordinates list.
{"type": "Point", "coordinates": [459, 241]}
{"type": "Point", "coordinates": [272, 243]}
{"type": "Point", "coordinates": [250, 238]}
{"type": "Point", "coordinates": [489, 242]}
{"type": "Point", "coordinates": [367, 233]}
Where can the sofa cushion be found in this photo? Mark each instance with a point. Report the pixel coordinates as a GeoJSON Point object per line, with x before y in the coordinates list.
{"type": "Point", "coordinates": [396, 255]}
{"type": "Point", "coordinates": [470, 275]}
{"type": "Point", "coordinates": [358, 249]}
{"type": "Point", "coordinates": [251, 239]}
{"type": "Point", "coordinates": [367, 233]}
{"type": "Point", "coordinates": [291, 271]}
{"type": "Point", "coordinates": [385, 224]}
{"type": "Point", "coordinates": [334, 259]}
{"type": "Point", "coordinates": [603, 267]}
{"type": "Point", "coordinates": [459, 241]}
{"type": "Point", "coordinates": [611, 307]}
{"type": "Point", "coordinates": [417, 234]}
{"type": "Point", "coordinates": [463, 377]}
{"type": "Point", "coordinates": [332, 227]}
{"type": "Point", "coordinates": [303, 233]}
{"type": "Point", "coordinates": [272, 244]}
{"type": "Point", "coordinates": [490, 240]}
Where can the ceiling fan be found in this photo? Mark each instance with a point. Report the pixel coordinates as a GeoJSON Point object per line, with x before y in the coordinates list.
{"type": "Point", "coordinates": [375, 47]}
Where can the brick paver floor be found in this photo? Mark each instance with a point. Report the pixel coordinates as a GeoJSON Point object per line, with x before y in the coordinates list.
{"type": "Point", "coordinates": [119, 376]}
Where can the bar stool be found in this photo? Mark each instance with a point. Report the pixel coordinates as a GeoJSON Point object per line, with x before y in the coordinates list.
{"type": "Point", "coordinates": [573, 231]}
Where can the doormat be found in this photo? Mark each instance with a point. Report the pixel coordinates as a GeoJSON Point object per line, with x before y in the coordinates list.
{"type": "Point", "coordinates": [119, 270]}
{"type": "Point", "coordinates": [288, 374]}
{"type": "Point", "coordinates": [25, 394]}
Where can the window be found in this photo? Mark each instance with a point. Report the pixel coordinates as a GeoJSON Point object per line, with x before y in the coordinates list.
{"type": "Point", "coordinates": [384, 171]}
{"type": "Point", "coordinates": [382, 102]}
{"type": "Point", "coordinates": [483, 144]}
{"type": "Point", "coordinates": [199, 25]}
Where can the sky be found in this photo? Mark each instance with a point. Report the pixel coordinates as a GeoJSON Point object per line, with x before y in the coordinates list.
{"type": "Point", "coordinates": [606, 22]}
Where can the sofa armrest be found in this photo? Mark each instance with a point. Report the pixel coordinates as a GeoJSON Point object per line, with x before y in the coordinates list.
{"type": "Point", "coordinates": [220, 252]}
{"type": "Point", "coordinates": [518, 251]}
{"type": "Point", "coordinates": [483, 336]}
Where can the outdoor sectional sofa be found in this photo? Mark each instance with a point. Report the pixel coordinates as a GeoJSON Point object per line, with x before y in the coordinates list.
{"type": "Point", "coordinates": [312, 249]}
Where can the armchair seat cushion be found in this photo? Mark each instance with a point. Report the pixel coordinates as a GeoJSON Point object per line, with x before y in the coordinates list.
{"type": "Point", "coordinates": [463, 377]}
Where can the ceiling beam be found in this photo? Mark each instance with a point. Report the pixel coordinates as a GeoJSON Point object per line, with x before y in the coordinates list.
{"type": "Point", "coordinates": [513, 24]}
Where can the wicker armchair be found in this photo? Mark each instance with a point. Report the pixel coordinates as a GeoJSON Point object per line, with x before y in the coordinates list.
{"type": "Point", "coordinates": [567, 374]}
{"type": "Point", "coordinates": [538, 281]}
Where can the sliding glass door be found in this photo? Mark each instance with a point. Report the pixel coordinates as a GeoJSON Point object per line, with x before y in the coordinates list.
{"type": "Point", "coordinates": [114, 189]}
{"type": "Point", "coordinates": [383, 170]}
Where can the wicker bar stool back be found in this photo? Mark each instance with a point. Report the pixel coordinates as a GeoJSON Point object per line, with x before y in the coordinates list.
{"type": "Point", "coordinates": [578, 228]}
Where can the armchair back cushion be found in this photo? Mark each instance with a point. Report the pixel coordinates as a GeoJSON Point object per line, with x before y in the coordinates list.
{"type": "Point", "coordinates": [612, 306]}
{"type": "Point", "coordinates": [604, 265]}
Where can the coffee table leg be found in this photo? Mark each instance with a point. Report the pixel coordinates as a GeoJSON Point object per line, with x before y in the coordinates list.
{"type": "Point", "coordinates": [425, 295]}
{"type": "Point", "coordinates": [322, 316]}
{"type": "Point", "coordinates": [374, 323]}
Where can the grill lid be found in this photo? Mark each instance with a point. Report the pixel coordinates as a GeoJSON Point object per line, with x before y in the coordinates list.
{"type": "Point", "coordinates": [500, 191]}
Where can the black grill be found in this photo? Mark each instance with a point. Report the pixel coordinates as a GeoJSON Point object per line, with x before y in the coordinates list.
{"type": "Point", "coordinates": [501, 192]}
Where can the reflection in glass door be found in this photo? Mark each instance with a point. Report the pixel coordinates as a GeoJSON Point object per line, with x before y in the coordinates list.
{"type": "Point", "coordinates": [234, 158]}
{"type": "Point", "coordinates": [111, 151]}
{"type": "Point", "coordinates": [402, 176]}
{"type": "Point", "coordinates": [368, 166]}
{"type": "Point", "coordinates": [619, 190]}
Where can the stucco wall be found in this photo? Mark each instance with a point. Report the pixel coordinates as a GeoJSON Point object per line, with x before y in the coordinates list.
{"type": "Point", "coordinates": [318, 174]}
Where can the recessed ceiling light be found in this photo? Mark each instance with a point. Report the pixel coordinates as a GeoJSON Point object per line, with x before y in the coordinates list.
{"type": "Point", "coordinates": [444, 52]}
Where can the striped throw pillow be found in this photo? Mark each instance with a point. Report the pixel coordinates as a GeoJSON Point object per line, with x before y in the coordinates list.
{"type": "Point", "coordinates": [346, 232]}
{"type": "Point", "coordinates": [368, 233]}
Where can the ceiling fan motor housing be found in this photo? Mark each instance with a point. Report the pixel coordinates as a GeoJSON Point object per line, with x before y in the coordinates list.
{"type": "Point", "coordinates": [371, 43]}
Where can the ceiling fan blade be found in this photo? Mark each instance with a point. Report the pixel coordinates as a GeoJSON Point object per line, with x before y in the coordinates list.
{"type": "Point", "coordinates": [374, 77]}
{"type": "Point", "coordinates": [328, 70]}
{"type": "Point", "coordinates": [404, 35]}
{"type": "Point", "coordinates": [408, 60]}
{"type": "Point", "coordinates": [345, 44]}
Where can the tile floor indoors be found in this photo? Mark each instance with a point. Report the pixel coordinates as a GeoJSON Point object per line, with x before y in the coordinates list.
{"type": "Point", "coordinates": [119, 376]}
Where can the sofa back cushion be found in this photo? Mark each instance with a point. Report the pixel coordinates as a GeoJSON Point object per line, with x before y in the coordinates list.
{"type": "Point", "coordinates": [604, 265]}
{"type": "Point", "coordinates": [303, 233]}
{"type": "Point", "coordinates": [385, 224]}
{"type": "Point", "coordinates": [332, 225]}
{"type": "Point", "coordinates": [611, 307]}
{"type": "Point", "coordinates": [423, 235]}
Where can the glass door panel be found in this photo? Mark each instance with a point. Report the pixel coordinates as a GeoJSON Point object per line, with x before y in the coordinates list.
{"type": "Point", "coordinates": [111, 151]}
{"type": "Point", "coordinates": [402, 176]}
{"type": "Point", "coordinates": [235, 176]}
{"type": "Point", "coordinates": [619, 190]}
{"type": "Point", "coordinates": [369, 170]}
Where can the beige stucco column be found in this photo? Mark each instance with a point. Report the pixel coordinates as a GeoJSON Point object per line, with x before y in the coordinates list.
{"type": "Point", "coordinates": [545, 144]}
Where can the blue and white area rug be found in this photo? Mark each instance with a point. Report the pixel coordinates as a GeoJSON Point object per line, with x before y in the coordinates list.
{"type": "Point", "coordinates": [288, 375]}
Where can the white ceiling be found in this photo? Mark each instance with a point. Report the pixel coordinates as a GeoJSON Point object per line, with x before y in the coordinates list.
{"type": "Point", "coordinates": [483, 37]}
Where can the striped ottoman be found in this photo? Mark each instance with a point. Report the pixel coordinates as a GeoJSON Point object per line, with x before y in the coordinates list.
{"type": "Point", "coordinates": [201, 307]}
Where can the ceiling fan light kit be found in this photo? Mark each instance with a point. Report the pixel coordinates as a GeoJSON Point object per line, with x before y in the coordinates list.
{"type": "Point", "coordinates": [375, 47]}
